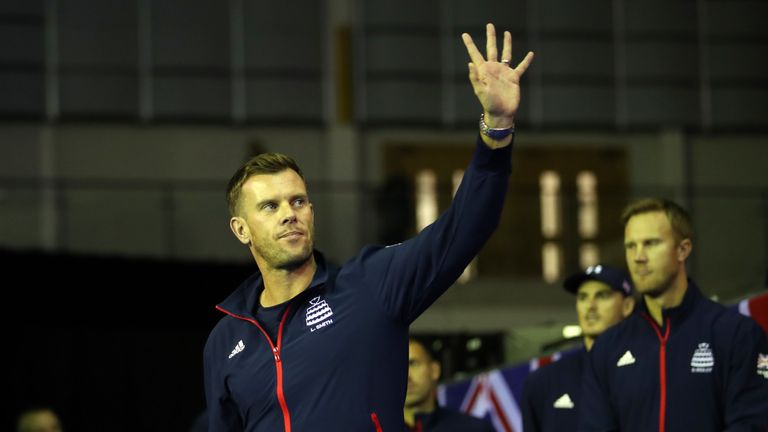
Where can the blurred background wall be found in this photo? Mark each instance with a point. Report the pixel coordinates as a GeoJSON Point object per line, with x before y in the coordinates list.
{"type": "Point", "coordinates": [122, 120]}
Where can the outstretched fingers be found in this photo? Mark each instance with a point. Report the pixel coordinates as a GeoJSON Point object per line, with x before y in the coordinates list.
{"type": "Point", "coordinates": [474, 53]}
{"type": "Point", "coordinates": [523, 66]}
{"type": "Point", "coordinates": [491, 52]}
{"type": "Point", "coordinates": [506, 53]}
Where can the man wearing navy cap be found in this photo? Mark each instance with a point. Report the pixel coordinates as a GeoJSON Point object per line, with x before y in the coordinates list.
{"type": "Point", "coordinates": [604, 297]}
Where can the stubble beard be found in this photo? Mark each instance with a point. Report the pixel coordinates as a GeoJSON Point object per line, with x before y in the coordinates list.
{"type": "Point", "coordinates": [290, 263]}
{"type": "Point", "coordinates": [280, 258]}
{"type": "Point", "coordinates": [658, 289]}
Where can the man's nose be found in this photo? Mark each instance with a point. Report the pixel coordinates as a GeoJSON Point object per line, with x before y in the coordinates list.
{"type": "Point", "coordinates": [288, 215]}
{"type": "Point", "coordinates": [640, 255]}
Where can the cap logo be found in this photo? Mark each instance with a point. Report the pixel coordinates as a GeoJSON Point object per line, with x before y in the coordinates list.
{"type": "Point", "coordinates": [627, 287]}
{"type": "Point", "coordinates": [595, 269]}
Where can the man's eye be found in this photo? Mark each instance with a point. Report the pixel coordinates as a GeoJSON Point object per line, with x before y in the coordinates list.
{"type": "Point", "coordinates": [269, 206]}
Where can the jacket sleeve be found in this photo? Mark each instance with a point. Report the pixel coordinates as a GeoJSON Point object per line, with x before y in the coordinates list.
{"type": "Point", "coordinates": [222, 412]}
{"type": "Point", "coordinates": [408, 277]}
{"type": "Point", "coordinates": [529, 403]}
{"type": "Point", "coordinates": [596, 413]}
{"type": "Point", "coordinates": [746, 390]}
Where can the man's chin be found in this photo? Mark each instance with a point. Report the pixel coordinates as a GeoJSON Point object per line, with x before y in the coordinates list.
{"type": "Point", "coordinates": [414, 401]}
{"type": "Point", "coordinates": [591, 332]}
{"type": "Point", "coordinates": [295, 262]}
{"type": "Point", "coordinates": [652, 292]}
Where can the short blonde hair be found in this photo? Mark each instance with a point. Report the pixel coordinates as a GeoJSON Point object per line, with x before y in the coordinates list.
{"type": "Point", "coordinates": [677, 216]}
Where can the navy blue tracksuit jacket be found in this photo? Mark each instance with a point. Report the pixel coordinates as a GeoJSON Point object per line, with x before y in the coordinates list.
{"type": "Point", "coordinates": [701, 371]}
{"type": "Point", "coordinates": [552, 395]}
{"type": "Point", "coordinates": [339, 361]}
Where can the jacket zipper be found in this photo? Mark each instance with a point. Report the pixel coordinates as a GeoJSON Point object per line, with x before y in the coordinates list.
{"type": "Point", "coordinates": [662, 368]}
{"type": "Point", "coordinates": [376, 424]}
{"type": "Point", "coordinates": [278, 360]}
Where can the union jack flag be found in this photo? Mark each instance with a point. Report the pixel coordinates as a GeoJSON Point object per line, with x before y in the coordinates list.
{"type": "Point", "coordinates": [757, 308]}
{"type": "Point", "coordinates": [494, 395]}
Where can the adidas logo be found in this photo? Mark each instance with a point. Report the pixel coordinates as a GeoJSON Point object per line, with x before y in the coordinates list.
{"type": "Point", "coordinates": [564, 401]}
{"type": "Point", "coordinates": [626, 360]}
{"type": "Point", "coordinates": [238, 348]}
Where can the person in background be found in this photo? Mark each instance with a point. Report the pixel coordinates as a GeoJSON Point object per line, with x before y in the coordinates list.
{"type": "Point", "coordinates": [681, 362]}
{"type": "Point", "coordinates": [422, 413]}
{"type": "Point", "coordinates": [552, 394]}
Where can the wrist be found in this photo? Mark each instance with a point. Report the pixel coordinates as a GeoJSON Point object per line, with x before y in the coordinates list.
{"type": "Point", "coordinates": [495, 144]}
{"type": "Point", "coordinates": [499, 121]}
{"type": "Point", "coordinates": [496, 137]}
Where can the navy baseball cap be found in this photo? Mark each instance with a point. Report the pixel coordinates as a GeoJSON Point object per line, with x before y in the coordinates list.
{"type": "Point", "coordinates": [611, 276]}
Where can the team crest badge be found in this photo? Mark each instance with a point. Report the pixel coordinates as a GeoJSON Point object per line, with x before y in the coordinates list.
{"type": "Point", "coordinates": [762, 365]}
{"type": "Point", "coordinates": [702, 360]}
{"type": "Point", "coordinates": [318, 314]}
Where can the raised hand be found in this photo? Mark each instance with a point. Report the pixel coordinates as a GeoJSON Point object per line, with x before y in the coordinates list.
{"type": "Point", "coordinates": [495, 82]}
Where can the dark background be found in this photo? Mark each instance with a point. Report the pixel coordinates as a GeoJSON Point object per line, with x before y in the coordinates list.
{"type": "Point", "coordinates": [111, 343]}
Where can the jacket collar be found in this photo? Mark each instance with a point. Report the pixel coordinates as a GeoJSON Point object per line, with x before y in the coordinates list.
{"type": "Point", "coordinates": [680, 312]}
{"type": "Point", "coordinates": [245, 299]}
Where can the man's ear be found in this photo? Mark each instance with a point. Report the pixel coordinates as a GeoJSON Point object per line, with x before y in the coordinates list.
{"type": "Point", "coordinates": [240, 229]}
{"type": "Point", "coordinates": [435, 370]}
{"type": "Point", "coordinates": [684, 249]}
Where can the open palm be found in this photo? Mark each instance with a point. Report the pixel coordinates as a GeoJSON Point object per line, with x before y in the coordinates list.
{"type": "Point", "coordinates": [495, 83]}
